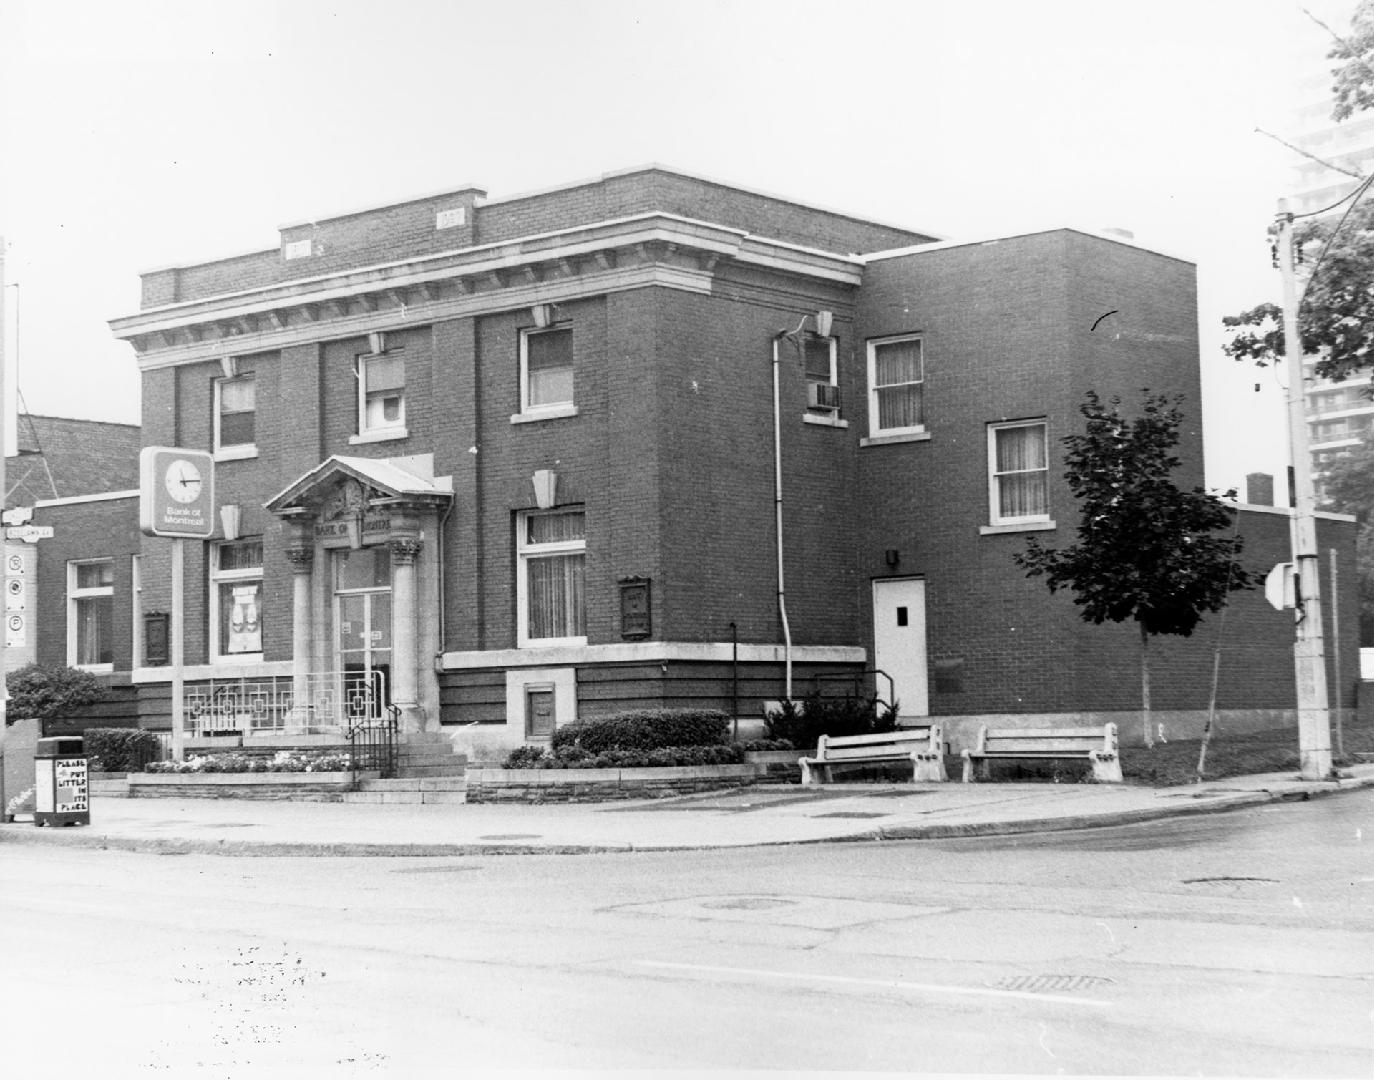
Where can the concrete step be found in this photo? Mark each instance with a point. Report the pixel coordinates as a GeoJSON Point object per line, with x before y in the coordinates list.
{"type": "Point", "coordinates": [416, 783]}
{"type": "Point", "coordinates": [405, 770]}
{"type": "Point", "coordinates": [406, 797]}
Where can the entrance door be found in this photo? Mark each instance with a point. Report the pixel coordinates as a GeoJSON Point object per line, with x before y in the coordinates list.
{"type": "Point", "coordinates": [362, 620]}
{"type": "Point", "coordinates": [899, 641]}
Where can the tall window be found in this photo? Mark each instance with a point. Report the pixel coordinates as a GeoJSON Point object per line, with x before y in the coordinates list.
{"type": "Point", "coordinates": [235, 414]}
{"type": "Point", "coordinates": [381, 395]}
{"type": "Point", "coordinates": [236, 599]}
{"type": "Point", "coordinates": [546, 370]}
{"type": "Point", "coordinates": [90, 614]}
{"type": "Point", "coordinates": [1018, 459]}
{"type": "Point", "coordinates": [822, 381]}
{"type": "Point", "coordinates": [551, 555]}
{"type": "Point", "coordinates": [896, 386]}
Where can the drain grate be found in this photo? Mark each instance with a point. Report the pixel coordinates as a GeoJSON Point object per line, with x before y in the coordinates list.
{"type": "Point", "coordinates": [852, 814]}
{"type": "Point", "coordinates": [511, 836]}
{"type": "Point", "coordinates": [1053, 983]}
{"type": "Point", "coordinates": [1230, 881]}
{"type": "Point", "coordinates": [748, 903]}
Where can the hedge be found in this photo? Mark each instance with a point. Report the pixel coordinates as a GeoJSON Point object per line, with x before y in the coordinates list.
{"type": "Point", "coordinates": [535, 757]}
{"type": "Point", "coordinates": [644, 729]}
{"type": "Point", "coordinates": [120, 749]}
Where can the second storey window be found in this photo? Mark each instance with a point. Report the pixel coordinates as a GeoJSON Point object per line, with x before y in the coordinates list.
{"type": "Point", "coordinates": [822, 377]}
{"type": "Point", "coordinates": [896, 386]}
{"type": "Point", "coordinates": [236, 599]}
{"type": "Point", "coordinates": [381, 395]}
{"type": "Point", "coordinates": [235, 414]}
{"type": "Point", "coordinates": [551, 555]}
{"type": "Point", "coordinates": [90, 614]}
{"type": "Point", "coordinates": [1018, 460]}
{"type": "Point", "coordinates": [546, 370]}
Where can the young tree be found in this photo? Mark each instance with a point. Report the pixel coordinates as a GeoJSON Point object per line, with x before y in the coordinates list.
{"type": "Point", "coordinates": [1147, 549]}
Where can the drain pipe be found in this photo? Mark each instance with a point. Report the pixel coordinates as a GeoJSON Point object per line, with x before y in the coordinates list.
{"type": "Point", "coordinates": [777, 511]}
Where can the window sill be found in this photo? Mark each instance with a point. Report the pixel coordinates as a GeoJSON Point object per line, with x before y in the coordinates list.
{"type": "Point", "coordinates": [236, 453]}
{"type": "Point", "coordinates": [903, 437]}
{"type": "Point", "coordinates": [380, 435]}
{"type": "Point", "coordinates": [551, 643]}
{"type": "Point", "coordinates": [824, 421]}
{"type": "Point", "coordinates": [95, 669]}
{"type": "Point", "coordinates": [238, 658]}
{"type": "Point", "coordinates": [1017, 527]}
{"type": "Point", "coordinates": [557, 412]}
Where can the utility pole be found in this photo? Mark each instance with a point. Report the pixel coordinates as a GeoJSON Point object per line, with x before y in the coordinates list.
{"type": "Point", "coordinates": [1309, 653]}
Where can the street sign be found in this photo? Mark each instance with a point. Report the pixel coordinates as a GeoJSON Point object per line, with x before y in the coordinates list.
{"type": "Point", "coordinates": [29, 534]}
{"type": "Point", "coordinates": [176, 492]}
{"type": "Point", "coordinates": [1280, 587]}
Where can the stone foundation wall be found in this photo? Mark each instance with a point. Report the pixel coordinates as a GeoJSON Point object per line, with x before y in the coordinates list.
{"type": "Point", "coordinates": [602, 785]}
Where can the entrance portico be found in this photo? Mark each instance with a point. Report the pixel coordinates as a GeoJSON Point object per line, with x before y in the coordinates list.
{"type": "Point", "coordinates": [361, 539]}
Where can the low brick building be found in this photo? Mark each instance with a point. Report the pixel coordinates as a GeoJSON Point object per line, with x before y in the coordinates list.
{"type": "Point", "coordinates": [653, 440]}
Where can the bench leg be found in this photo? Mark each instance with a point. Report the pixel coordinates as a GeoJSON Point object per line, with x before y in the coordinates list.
{"type": "Point", "coordinates": [814, 772]}
{"type": "Point", "coordinates": [1106, 768]}
{"type": "Point", "coordinates": [968, 767]}
{"type": "Point", "coordinates": [928, 768]}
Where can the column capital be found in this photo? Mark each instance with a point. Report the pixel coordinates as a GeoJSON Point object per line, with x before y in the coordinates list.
{"type": "Point", "coordinates": [405, 549]}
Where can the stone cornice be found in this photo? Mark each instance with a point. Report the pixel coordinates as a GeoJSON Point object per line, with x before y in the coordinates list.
{"type": "Point", "coordinates": [631, 253]}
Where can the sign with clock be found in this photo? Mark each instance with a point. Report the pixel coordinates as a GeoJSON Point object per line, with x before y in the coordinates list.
{"type": "Point", "coordinates": [177, 492]}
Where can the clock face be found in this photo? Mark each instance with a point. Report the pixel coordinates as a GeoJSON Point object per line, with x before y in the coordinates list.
{"type": "Point", "coordinates": [183, 481]}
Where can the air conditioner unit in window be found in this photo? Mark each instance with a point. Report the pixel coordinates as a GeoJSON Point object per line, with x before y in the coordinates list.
{"type": "Point", "coordinates": [823, 396]}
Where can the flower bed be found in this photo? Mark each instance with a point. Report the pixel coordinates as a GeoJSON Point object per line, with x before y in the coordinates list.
{"type": "Point", "coordinates": [283, 761]}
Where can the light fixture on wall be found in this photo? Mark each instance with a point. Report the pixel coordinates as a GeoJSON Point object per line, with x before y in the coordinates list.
{"type": "Point", "coordinates": [543, 315]}
{"type": "Point", "coordinates": [825, 321]}
{"type": "Point", "coordinates": [892, 557]}
{"type": "Point", "coordinates": [545, 488]}
{"type": "Point", "coordinates": [230, 516]}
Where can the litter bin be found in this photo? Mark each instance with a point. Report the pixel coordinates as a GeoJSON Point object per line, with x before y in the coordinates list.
{"type": "Point", "coordinates": [61, 788]}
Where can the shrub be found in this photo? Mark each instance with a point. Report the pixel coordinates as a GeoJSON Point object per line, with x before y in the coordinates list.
{"type": "Point", "coordinates": [282, 761]}
{"type": "Point", "coordinates": [645, 729]}
{"type": "Point", "coordinates": [526, 757]}
{"type": "Point", "coordinates": [767, 744]}
{"type": "Point", "coordinates": [801, 723]}
{"type": "Point", "coordinates": [49, 693]}
{"type": "Point", "coordinates": [120, 749]}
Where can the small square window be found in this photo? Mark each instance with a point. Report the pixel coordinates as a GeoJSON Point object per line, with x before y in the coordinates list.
{"type": "Point", "coordinates": [546, 369]}
{"type": "Point", "coordinates": [896, 386]}
{"type": "Point", "coordinates": [1018, 469]}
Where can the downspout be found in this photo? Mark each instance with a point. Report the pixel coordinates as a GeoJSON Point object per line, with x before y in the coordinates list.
{"type": "Point", "coordinates": [777, 510]}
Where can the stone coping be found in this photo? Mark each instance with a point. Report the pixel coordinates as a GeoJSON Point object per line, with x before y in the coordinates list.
{"type": "Point", "coordinates": [335, 778]}
{"type": "Point", "coordinates": [556, 777]}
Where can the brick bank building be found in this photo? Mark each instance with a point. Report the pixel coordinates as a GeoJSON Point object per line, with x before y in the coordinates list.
{"type": "Point", "coordinates": [652, 440]}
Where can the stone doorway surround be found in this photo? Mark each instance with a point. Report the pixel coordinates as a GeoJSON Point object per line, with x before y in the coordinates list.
{"type": "Point", "coordinates": [349, 502]}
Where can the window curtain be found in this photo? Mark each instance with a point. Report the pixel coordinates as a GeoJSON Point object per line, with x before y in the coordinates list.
{"type": "Point", "coordinates": [556, 596]}
{"type": "Point", "coordinates": [1022, 472]}
{"type": "Point", "coordinates": [897, 380]}
{"type": "Point", "coordinates": [94, 618]}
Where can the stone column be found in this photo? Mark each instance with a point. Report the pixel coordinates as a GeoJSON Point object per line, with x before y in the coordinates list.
{"type": "Point", "coordinates": [405, 658]}
{"type": "Point", "coordinates": [301, 556]}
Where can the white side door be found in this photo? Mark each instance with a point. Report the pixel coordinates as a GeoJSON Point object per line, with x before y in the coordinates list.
{"type": "Point", "coordinates": [899, 642]}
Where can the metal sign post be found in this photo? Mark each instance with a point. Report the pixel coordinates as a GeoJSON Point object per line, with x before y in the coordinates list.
{"type": "Point", "coordinates": [177, 500]}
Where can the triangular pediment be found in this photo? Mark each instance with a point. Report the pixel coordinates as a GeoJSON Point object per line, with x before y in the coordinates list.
{"type": "Point", "coordinates": [350, 482]}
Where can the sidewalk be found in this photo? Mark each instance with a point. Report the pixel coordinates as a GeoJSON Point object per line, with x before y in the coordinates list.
{"type": "Point", "coordinates": [741, 818]}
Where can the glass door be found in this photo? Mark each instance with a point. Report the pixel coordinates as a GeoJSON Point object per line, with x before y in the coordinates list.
{"type": "Point", "coordinates": [362, 618]}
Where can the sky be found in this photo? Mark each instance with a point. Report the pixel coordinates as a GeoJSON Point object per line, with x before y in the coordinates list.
{"type": "Point", "coordinates": [140, 134]}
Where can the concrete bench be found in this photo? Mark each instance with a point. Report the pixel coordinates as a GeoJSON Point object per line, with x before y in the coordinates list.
{"type": "Point", "coordinates": [1095, 745]}
{"type": "Point", "coordinates": [922, 746]}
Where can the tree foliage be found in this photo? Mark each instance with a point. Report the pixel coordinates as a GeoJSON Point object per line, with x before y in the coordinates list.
{"type": "Point", "coordinates": [1147, 549]}
{"type": "Point", "coordinates": [49, 693]}
{"type": "Point", "coordinates": [1336, 312]}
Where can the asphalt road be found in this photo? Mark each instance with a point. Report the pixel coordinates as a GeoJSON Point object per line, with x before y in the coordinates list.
{"type": "Point", "coordinates": [1233, 944]}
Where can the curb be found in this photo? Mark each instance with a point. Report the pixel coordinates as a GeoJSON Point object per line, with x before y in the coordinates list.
{"type": "Point", "coordinates": [1222, 801]}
